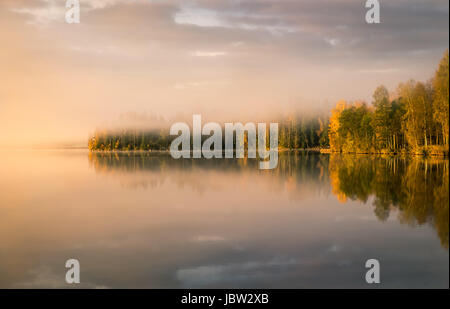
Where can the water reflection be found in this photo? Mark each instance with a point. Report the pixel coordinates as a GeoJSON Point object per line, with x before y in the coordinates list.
{"type": "Point", "coordinates": [417, 187]}
{"type": "Point", "coordinates": [298, 173]}
{"type": "Point", "coordinates": [146, 220]}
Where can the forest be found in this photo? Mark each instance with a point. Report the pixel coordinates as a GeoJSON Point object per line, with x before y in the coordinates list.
{"type": "Point", "coordinates": [412, 119]}
{"type": "Point", "coordinates": [296, 131]}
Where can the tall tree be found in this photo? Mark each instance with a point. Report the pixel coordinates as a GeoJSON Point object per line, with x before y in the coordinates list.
{"type": "Point", "coordinates": [381, 118]}
{"type": "Point", "coordinates": [441, 103]}
{"type": "Point", "coordinates": [336, 141]}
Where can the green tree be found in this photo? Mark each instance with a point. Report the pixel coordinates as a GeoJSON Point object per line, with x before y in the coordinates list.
{"type": "Point", "coordinates": [381, 117]}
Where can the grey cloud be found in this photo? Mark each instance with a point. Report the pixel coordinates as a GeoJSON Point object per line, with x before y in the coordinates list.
{"type": "Point", "coordinates": [168, 56]}
{"type": "Point", "coordinates": [327, 29]}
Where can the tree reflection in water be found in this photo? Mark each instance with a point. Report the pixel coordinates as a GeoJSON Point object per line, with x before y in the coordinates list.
{"type": "Point", "coordinates": [417, 187]}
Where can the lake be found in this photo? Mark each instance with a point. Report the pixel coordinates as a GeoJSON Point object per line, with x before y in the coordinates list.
{"type": "Point", "coordinates": [145, 220]}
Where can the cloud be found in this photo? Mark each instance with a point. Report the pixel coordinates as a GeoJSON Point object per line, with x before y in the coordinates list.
{"type": "Point", "coordinates": [43, 15]}
{"type": "Point", "coordinates": [332, 41]}
{"type": "Point", "coordinates": [308, 27]}
{"type": "Point", "coordinates": [237, 57]}
{"type": "Point", "coordinates": [199, 53]}
{"type": "Point", "coordinates": [235, 272]}
{"type": "Point", "coordinates": [201, 17]}
{"type": "Point", "coordinates": [208, 238]}
{"type": "Point", "coordinates": [44, 12]}
{"type": "Point", "coordinates": [379, 71]}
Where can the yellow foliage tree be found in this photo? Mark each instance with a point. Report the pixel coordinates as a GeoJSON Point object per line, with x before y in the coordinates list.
{"type": "Point", "coordinates": [335, 140]}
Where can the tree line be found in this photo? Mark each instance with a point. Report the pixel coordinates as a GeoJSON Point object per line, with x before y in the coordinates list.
{"type": "Point", "coordinates": [412, 119]}
{"type": "Point", "coordinates": [295, 131]}
{"type": "Point", "coordinates": [130, 139]}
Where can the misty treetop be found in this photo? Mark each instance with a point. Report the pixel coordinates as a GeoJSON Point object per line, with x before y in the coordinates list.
{"type": "Point", "coordinates": [295, 131]}
{"type": "Point", "coordinates": [126, 139]}
{"type": "Point", "coordinates": [412, 119]}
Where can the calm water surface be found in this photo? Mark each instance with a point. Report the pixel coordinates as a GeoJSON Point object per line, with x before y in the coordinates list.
{"type": "Point", "coordinates": [149, 221]}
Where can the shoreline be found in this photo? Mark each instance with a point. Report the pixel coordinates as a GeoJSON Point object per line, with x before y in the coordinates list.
{"type": "Point", "coordinates": [441, 153]}
{"type": "Point", "coordinates": [321, 151]}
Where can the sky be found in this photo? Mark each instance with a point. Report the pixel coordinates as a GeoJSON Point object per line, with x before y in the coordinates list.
{"type": "Point", "coordinates": [227, 60]}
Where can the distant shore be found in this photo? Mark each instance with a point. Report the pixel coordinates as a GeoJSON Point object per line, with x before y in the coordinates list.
{"type": "Point", "coordinates": [431, 151]}
{"type": "Point", "coordinates": [437, 153]}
